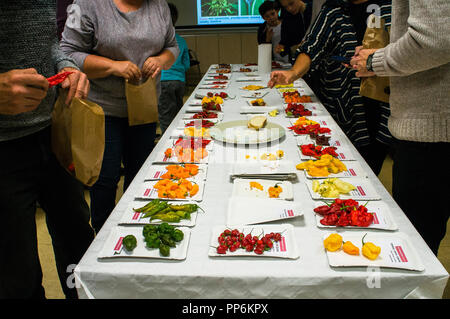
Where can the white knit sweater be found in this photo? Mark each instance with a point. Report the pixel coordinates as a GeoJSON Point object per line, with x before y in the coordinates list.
{"type": "Point", "coordinates": [418, 62]}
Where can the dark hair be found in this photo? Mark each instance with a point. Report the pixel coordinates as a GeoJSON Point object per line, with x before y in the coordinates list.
{"type": "Point", "coordinates": [173, 12]}
{"type": "Point", "coordinates": [267, 6]}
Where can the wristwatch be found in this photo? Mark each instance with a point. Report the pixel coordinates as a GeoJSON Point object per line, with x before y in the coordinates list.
{"type": "Point", "coordinates": [369, 66]}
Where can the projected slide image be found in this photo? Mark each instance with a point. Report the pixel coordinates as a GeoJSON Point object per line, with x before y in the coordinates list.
{"type": "Point", "coordinates": [213, 8]}
{"type": "Point", "coordinates": [223, 12]}
{"type": "Point", "coordinates": [250, 7]}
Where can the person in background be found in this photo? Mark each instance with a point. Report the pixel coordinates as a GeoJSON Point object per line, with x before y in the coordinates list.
{"type": "Point", "coordinates": [418, 63]}
{"type": "Point", "coordinates": [118, 40]}
{"type": "Point", "coordinates": [337, 31]}
{"type": "Point", "coordinates": [296, 16]}
{"type": "Point", "coordinates": [270, 30]}
{"type": "Point", "coordinates": [29, 171]}
{"type": "Point", "coordinates": [173, 81]}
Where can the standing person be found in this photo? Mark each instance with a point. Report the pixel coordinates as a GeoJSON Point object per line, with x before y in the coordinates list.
{"type": "Point", "coordinates": [118, 40]}
{"type": "Point", "coordinates": [270, 30]}
{"type": "Point", "coordinates": [29, 171]}
{"type": "Point", "coordinates": [418, 63]}
{"type": "Point", "coordinates": [173, 81]}
{"type": "Point", "coordinates": [296, 16]}
{"type": "Point", "coordinates": [335, 32]}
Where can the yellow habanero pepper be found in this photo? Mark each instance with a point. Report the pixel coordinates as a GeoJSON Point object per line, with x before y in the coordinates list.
{"type": "Point", "coordinates": [350, 249]}
{"type": "Point", "coordinates": [370, 250]}
{"type": "Point", "coordinates": [333, 242]}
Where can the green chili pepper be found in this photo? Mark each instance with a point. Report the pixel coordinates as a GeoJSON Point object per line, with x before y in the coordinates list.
{"type": "Point", "coordinates": [164, 250]}
{"type": "Point", "coordinates": [177, 235]}
{"type": "Point", "coordinates": [166, 228]}
{"type": "Point", "coordinates": [147, 207]}
{"type": "Point", "coordinates": [166, 239]}
{"type": "Point", "coordinates": [157, 209]}
{"type": "Point", "coordinates": [170, 218]}
{"type": "Point", "coordinates": [149, 229]}
{"type": "Point", "coordinates": [129, 242]}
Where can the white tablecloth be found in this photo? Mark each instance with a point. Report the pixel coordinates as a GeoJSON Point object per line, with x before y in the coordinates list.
{"type": "Point", "coordinates": [200, 276]}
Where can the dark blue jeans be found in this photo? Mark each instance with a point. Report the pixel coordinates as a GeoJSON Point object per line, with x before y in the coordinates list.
{"type": "Point", "coordinates": [130, 145]}
{"type": "Point", "coordinates": [30, 173]}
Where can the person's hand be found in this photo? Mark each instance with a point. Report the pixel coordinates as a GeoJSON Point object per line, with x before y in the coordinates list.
{"type": "Point", "coordinates": [359, 62]}
{"type": "Point", "coordinates": [127, 70]}
{"type": "Point", "coordinates": [21, 91]}
{"type": "Point", "coordinates": [77, 83]}
{"type": "Point", "coordinates": [281, 78]}
{"type": "Point", "coordinates": [152, 67]}
{"type": "Point", "coordinates": [279, 48]}
{"type": "Point", "coordinates": [302, 6]}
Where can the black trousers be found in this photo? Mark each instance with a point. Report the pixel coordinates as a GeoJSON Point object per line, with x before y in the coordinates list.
{"type": "Point", "coordinates": [170, 102]}
{"type": "Point", "coordinates": [420, 186]}
{"type": "Point", "coordinates": [30, 173]}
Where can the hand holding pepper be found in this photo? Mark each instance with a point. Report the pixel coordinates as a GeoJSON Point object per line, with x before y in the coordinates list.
{"type": "Point", "coordinates": [76, 83]}
{"type": "Point", "coordinates": [21, 91]}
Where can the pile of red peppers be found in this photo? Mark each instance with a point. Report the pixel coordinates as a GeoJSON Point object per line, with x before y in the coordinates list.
{"type": "Point", "coordinates": [344, 213]}
{"type": "Point", "coordinates": [308, 129]}
{"type": "Point", "coordinates": [205, 123]}
{"type": "Point", "coordinates": [317, 150]}
{"type": "Point", "coordinates": [296, 110]}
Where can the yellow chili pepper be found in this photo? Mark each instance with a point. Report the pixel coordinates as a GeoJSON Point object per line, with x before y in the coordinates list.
{"type": "Point", "coordinates": [370, 250]}
{"type": "Point", "coordinates": [350, 249]}
{"type": "Point", "coordinates": [333, 242]}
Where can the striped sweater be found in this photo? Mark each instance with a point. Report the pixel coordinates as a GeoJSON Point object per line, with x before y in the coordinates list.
{"type": "Point", "coordinates": [28, 39]}
{"type": "Point", "coordinates": [331, 34]}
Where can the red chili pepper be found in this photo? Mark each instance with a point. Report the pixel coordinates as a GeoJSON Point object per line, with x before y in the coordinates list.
{"type": "Point", "coordinates": [58, 78]}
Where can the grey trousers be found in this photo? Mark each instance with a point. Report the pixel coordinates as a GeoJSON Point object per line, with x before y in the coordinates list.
{"type": "Point", "coordinates": [170, 102]}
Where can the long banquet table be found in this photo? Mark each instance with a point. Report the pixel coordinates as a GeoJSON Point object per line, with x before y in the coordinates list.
{"type": "Point", "coordinates": [204, 277]}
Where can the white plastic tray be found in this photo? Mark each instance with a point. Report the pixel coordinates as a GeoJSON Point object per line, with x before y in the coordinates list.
{"type": "Point", "coordinates": [248, 211]}
{"type": "Point", "coordinates": [157, 170]}
{"type": "Point", "coordinates": [113, 247]}
{"type": "Point", "coordinates": [382, 217]}
{"type": "Point", "coordinates": [241, 188]}
{"type": "Point", "coordinates": [148, 192]}
{"type": "Point", "coordinates": [285, 248]}
{"type": "Point", "coordinates": [130, 217]}
{"type": "Point", "coordinates": [396, 252]}
{"type": "Point", "coordinates": [364, 190]}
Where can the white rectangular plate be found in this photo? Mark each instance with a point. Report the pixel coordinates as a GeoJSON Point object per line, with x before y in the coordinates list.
{"type": "Point", "coordinates": [189, 116]}
{"type": "Point", "coordinates": [354, 170]}
{"type": "Point", "coordinates": [285, 248]}
{"type": "Point", "coordinates": [241, 188]}
{"type": "Point", "coordinates": [248, 211]}
{"type": "Point", "coordinates": [317, 109]}
{"type": "Point", "coordinates": [364, 190]}
{"type": "Point", "coordinates": [130, 217]}
{"type": "Point", "coordinates": [256, 95]}
{"type": "Point", "coordinates": [148, 192]}
{"type": "Point", "coordinates": [249, 79]}
{"type": "Point", "coordinates": [161, 157]}
{"type": "Point", "coordinates": [344, 154]}
{"type": "Point", "coordinates": [382, 218]}
{"type": "Point", "coordinates": [113, 247]}
{"type": "Point", "coordinates": [264, 167]}
{"type": "Point", "coordinates": [396, 252]}
{"type": "Point", "coordinates": [157, 170]}
{"type": "Point", "coordinates": [335, 140]}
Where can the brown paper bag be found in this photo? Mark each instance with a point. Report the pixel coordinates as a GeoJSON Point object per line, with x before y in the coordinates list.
{"type": "Point", "coordinates": [376, 37]}
{"type": "Point", "coordinates": [142, 101]}
{"type": "Point", "coordinates": [78, 138]}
